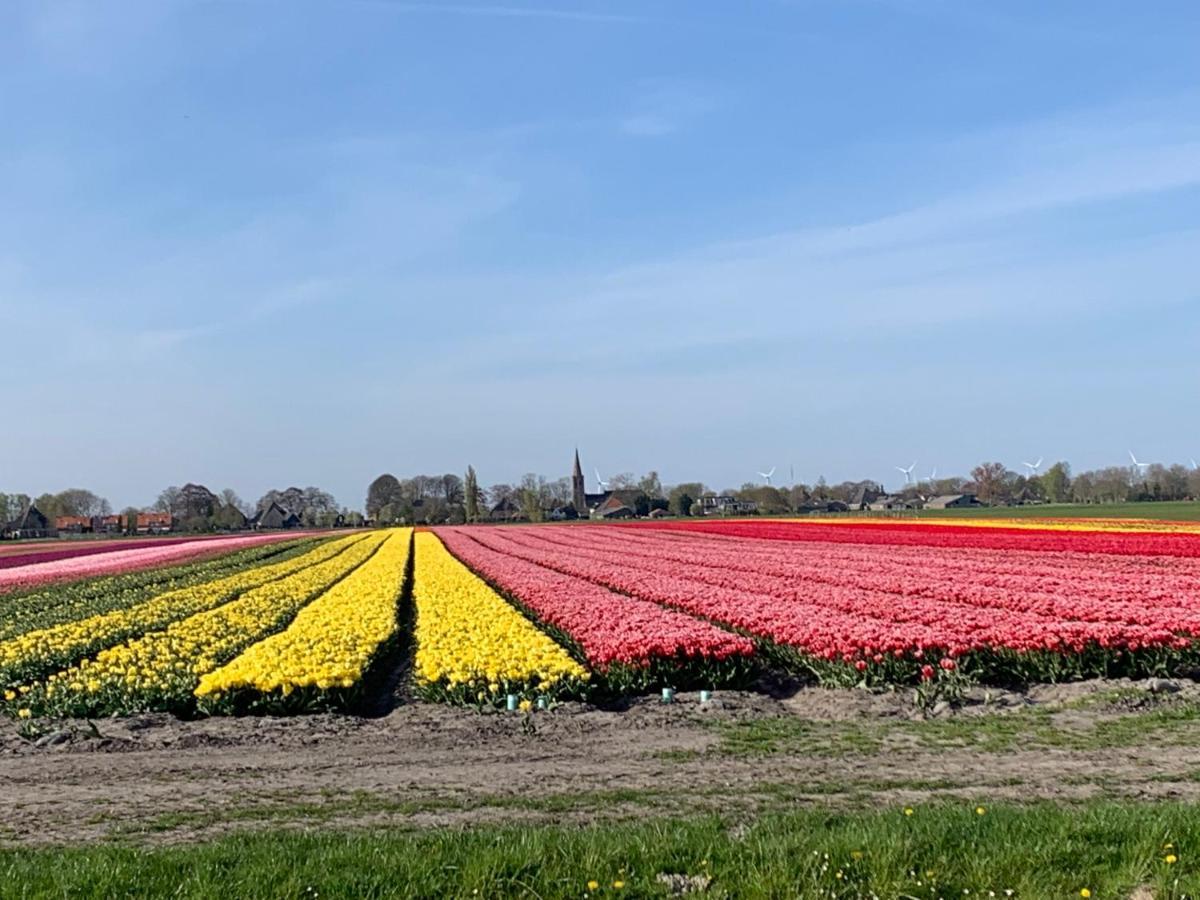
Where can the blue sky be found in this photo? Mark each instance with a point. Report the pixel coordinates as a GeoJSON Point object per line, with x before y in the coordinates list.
{"type": "Point", "coordinates": [262, 242]}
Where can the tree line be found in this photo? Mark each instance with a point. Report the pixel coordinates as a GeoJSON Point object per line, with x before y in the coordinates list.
{"type": "Point", "coordinates": [454, 499]}
{"type": "Point", "coordinates": [193, 507]}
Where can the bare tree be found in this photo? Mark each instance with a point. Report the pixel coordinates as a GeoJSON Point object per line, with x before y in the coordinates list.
{"type": "Point", "coordinates": [989, 481]}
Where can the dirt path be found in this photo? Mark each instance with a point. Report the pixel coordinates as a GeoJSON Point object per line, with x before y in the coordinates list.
{"type": "Point", "coordinates": [154, 778]}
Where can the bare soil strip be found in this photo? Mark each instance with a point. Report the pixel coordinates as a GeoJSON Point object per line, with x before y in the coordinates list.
{"type": "Point", "coordinates": [158, 779]}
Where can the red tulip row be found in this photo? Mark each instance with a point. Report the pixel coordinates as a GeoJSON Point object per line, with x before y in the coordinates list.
{"type": "Point", "coordinates": [1059, 587]}
{"type": "Point", "coordinates": [914, 534]}
{"type": "Point", "coordinates": [609, 628]}
{"type": "Point", "coordinates": [868, 613]}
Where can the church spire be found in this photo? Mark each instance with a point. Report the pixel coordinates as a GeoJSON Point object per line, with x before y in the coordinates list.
{"type": "Point", "coordinates": [578, 488]}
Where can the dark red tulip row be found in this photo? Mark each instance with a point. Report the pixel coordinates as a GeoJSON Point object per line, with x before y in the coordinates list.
{"type": "Point", "coordinates": [608, 627]}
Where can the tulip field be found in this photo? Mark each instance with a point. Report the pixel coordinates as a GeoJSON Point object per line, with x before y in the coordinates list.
{"type": "Point", "coordinates": [289, 622]}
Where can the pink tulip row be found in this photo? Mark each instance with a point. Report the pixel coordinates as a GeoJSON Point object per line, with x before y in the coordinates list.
{"type": "Point", "coordinates": [844, 613]}
{"type": "Point", "coordinates": [29, 554]}
{"type": "Point", "coordinates": [608, 627]}
{"type": "Point", "coordinates": [118, 561]}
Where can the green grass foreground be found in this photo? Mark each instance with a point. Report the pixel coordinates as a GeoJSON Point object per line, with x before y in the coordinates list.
{"type": "Point", "coordinates": [1037, 851]}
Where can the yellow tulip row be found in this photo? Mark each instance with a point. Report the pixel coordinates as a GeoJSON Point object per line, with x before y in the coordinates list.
{"type": "Point", "coordinates": [161, 669]}
{"type": "Point", "coordinates": [332, 641]}
{"type": "Point", "coordinates": [38, 653]}
{"type": "Point", "coordinates": [471, 644]}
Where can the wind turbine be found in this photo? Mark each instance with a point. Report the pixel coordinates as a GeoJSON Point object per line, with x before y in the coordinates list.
{"type": "Point", "coordinates": [600, 481]}
{"type": "Point", "coordinates": [933, 475]}
{"type": "Point", "coordinates": [907, 472]}
{"type": "Point", "coordinates": [1033, 466]}
{"type": "Point", "coordinates": [1139, 467]}
{"type": "Point", "coordinates": [766, 476]}
{"type": "Point", "coordinates": [1194, 466]}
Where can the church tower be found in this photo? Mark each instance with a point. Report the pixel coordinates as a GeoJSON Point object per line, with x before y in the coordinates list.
{"type": "Point", "coordinates": [578, 492]}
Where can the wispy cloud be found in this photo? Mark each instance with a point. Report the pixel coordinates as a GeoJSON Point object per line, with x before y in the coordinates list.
{"type": "Point", "coordinates": [502, 12]}
{"type": "Point", "coordinates": [663, 108]}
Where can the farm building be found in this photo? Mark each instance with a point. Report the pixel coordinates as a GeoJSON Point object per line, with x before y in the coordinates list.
{"type": "Point", "coordinates": [73, 524]}
{"type": "Point", "coordinates": [30, 524]}
{"type": "Point", "coordinates": [154, 522]}
{"type": "Point", "coordinates": [725, 505]}
{"type": "Point", "coordinates": [272, 518]}
{"type": "Point", "coordinates": [614, 507]}
{"type": "Point", "coordinates": [864, 497]}
{"type": "Point", "coordinates": [951, 501]}
{"type": "Point", "coordinates": [891, 503]}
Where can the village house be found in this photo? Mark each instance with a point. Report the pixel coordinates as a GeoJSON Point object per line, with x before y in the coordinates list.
{"type": "Point", "coordinates": [505, 510]}
{"type": "Point", "coordinates": [73, 524]}
{"type": "Point", "coordinates": [274, 517]}
{"type": "Point", "coordinates": [107, 524]}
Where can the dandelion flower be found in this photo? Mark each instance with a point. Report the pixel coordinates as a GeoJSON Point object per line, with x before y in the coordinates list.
{"type": "Point", "coordinates": [1084, 892]}
{"type": "Point", "coordinates": [24, 713]}
{"type": "Point", "coordinates": [593, 885]}
{"type": "Point", "coordinates": [979, 810]}
{"type": "Point", "coordinates": [908, 810]}
{"type": "Point", "coordinates": [1170, 859]}
{"type": "Point", "coordinates": [618, 884]}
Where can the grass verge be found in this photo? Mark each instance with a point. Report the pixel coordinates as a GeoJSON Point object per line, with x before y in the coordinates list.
{"type": "Point", "coordinates": [959, 850]}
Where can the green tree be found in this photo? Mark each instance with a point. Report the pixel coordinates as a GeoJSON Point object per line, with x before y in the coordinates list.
{"type": "Point", "coordinates": [471, 495]}
{"type": "Point", "coordinates": [651, 485]}
{"type": "Point", "coordinates": [532, 496]}
{"type": "Point", "coordinates": [1056, 482]}
{"type": "Point", "coordinates": [691, 490]}
{"type": "Point", "coordinates": [229, 518]}
{"type": "Point", "coordinates": [383, 491]}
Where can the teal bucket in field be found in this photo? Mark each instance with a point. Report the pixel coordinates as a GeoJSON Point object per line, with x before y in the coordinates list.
{"type": "Point", "coordinates": [512, 702]}
{"type": "Point", "coordinates": [543, 703]}
{"type": "Point", "coordinates": [668, 695]}
{"type": "Point", "coordinates": [705, 696]}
